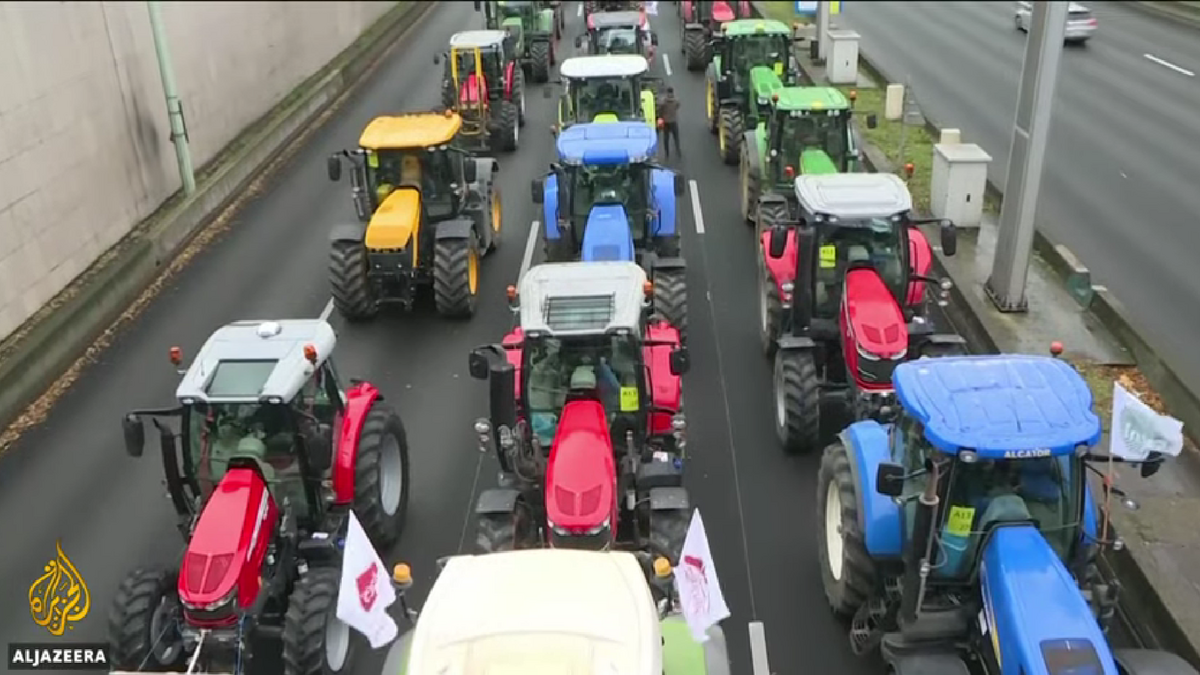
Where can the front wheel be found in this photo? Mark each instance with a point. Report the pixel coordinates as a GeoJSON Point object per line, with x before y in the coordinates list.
{"type": "Point", "coordinates": [797, 396]}
{"type": "Point", "coordinates": [495, 532]}
{"type": "Point", "coordinates": [456, 276]}
{"type": "Point", "coordinates": [749, 192]}
{"type": "Point", "coordinates": [668, 529]}
{"type": "Point", "coordinates": [695, 48]}
{"type": "Point", "coordinates": [670, 298]}
{"type": "Point", "coordinates": [730, 134]}
{"type": "Point", "coordinates": [315, 641]}
{"type": "Point", "coordinates": [508, 126]}
{"type": "Point", "coordinates": [143, 626]}
{"type": "Point", "coordinates": [847, 571]}
{"type": "Point", "coordinates": [539, 54]}
{"type": "Point", "coordinates": [770, 310]}
{"type": "Point", "coordinates": [353, 295]}
{"type": "Point", "coordinates": [381, 476]}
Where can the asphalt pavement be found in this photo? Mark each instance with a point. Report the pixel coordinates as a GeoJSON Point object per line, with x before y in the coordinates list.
{"type": "Point", "coordinates": [1120, 179]}
{"type": "Point", "coordinates": [70, 480]}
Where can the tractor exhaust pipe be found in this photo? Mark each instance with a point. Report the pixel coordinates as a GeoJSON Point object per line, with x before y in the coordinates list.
{"type": "Point", "coordinates": [916, 563]}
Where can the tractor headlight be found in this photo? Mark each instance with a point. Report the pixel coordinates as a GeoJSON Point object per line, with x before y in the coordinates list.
{"type": "Point", "coordinates": [215, 605]}
{"type": "Point", "coordinates": [968, 457]}
{"type": "Point", "coordinates": [483, 427]}
{"type": "Point", "coordinates": [866, 354]}
{"type": "Point", "coordinates": [787, 286]}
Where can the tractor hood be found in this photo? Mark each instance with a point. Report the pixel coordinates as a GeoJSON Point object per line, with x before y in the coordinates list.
{"type": "Point", "coordinates": [1034, 613]}
{"type": "Point", "coordinates": [764, 79]}
{"type": "Point", "coordinates": [581, 474]}
{"type": "Point", "coordinates": [395, 220]}
{"type": "Point", "coordinates": [234, 527]}
{"type": "Point", "coordinates": [722, 11]}
{"type": "Point", "coordinates": [816, 162]}
{"type": "Point", "coordinates": [607, 237]}
{"type": "Point", "coordinates": [876, 323]}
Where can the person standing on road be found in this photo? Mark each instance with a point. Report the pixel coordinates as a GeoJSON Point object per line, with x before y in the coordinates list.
{"type": "Point", "coordinates": [668, 112]}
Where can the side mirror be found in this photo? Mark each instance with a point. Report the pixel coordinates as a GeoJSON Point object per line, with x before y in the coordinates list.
{"type": "Point", "coordinates": [477, 365]}
{"type": "Point", "coordinates": [680, 184]}
{"type": "Point", "coordinates": [537, 190]}
{"type": "Point", "coordinates": [437, 59]}
{"type": "Point", "coordinates": [1153, 463]}
{"type": "Point", "coordinates": [478, 5]}
{"type": "Point", "coordinates": [777, 243]}
{"type": "Point", "coordinates": [949, 237]}
{"type": "Point", "coordinates": [872, 121]}
{"type": "Point", "coordinates": [135, 435]}
{"type": "Point", "coordinates": [654, 39]}
{"type": "Point", "coordinates": [333, 165]}
{"type": "Point", "coordinates": [680, 361]}
{"type": "Point", "coordinates": [470, 170]}
{"type": "Point", "coordinates": [889, 480]}
{"type": "Point", "coordinates": [579, 41]}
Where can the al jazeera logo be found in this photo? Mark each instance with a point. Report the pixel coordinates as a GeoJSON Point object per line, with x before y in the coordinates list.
{"type": "Point", "coordinates": [58, 600]}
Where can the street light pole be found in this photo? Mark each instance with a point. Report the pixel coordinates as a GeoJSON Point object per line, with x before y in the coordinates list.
{"type": "Point", "coordinates": [1026, 157]}
{"type": "Point", "coordinates": [179, 137]}
{"type": "Point", "coordinates": [822, 29]}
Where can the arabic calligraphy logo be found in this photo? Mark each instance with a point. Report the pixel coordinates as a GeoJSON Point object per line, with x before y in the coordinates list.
{"type": "Point", "coordinates": [60, 597]}
{"type": "Point", "coordinates": [367, 592]}
{"type": "Point", "coordinates": [693, 569]}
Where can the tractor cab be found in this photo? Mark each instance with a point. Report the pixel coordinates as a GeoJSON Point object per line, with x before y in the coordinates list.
{"type": "Point", "coordinates": [702, 20]}
{"type": "Point", "coordinates": [619, 33]}
{"type": "Point", "coordinates": [747, 49]}
{"type": "Point", "coordinates": [606, 89]}
{"type": "Point", "coordinates": [484, 86]}
{"type": "Point", "coordinates": [586, 405]}
{"type": "Point", "coordinates": [806, 131]}
{"type": "Point", "coordinates": [984, 517]}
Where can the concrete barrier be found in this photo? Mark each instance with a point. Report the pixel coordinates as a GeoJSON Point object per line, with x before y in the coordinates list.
{"type": "Point", "coordinates": [1178, 11]}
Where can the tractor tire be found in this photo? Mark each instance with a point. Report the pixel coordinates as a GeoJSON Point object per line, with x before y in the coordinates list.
{"type": "Point", "coordinates": [695, 48]}
{"type": "Point", "coordinates": [559, 250]}
{"type": "Point", "coordinates": [848, 577]}
{"type": "Point", "coordinates": [135, 641]}
{"type": "Point", "coordinates": [539, 54]}
{"type": "Point", "coordinates": [730, 134]}
{"type": "Point", "coordinates": [797, 401]}
{"type": "Point", "coordinates": [449, 96]}
{"type": "Point", "coordinates": [456, 276]}
{"type": "Point", "coordinates": [770, 311]}
{"type": "Point", "coordinates": [770, 214]}
{"type": "Point", "coordinates": [310, 645]}
{"type": "Point", "coordinates": [749, 185]}
{"type": "Point", "coordinates": [1149, 662]}
{"type": "Point", "coordinates": [518, 95]}
{"type": "Point", "coordinates": [713, 107]}
{"type": "Point", "coordinates": [670, 298]}
{"type": "Point", "coordinates": [934, 351]}
{"type": "Point", "coordinates": [381, 476]}
{"type": "Point", "coordinates": [508, 126]}
{"type": "Point", "coordinates": [495, 532]}
{"type": "Point", "coordinates": [495, 217]}
{"type": "Point", "coordinates": [353, 295]}
{"type": "Point", "coordinates": [668, 529]}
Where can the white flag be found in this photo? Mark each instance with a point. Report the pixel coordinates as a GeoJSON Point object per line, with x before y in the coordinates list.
{"type": "Point", "coordinates": [652, 8]}
{"type": "Point", "coordinates": [696, 582]}
{"type": "Point", "coordinates": [366, 589]}
{"type": "Point", "coordinates": [1137, 430]}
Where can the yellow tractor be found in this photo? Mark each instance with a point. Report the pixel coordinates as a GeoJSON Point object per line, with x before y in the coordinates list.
{"type": "Point", "coordinates": [427, 210]}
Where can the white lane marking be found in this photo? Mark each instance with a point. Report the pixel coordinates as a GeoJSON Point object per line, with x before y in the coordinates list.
{"type": "Point", "coordinates": [530, 244]}
{"type": "Point", "coordinates": [327, 311]}
{"type": "Point", "coordinates": [667, 64]}
{"type": "Point", "coordinates": [697, 214]}
{"type": "Point", "coordinates": [579, 10]}
{"type": "Point", "coordinates": [1168, 64]}
{"type": "Point", "coordinates": [758, 649]}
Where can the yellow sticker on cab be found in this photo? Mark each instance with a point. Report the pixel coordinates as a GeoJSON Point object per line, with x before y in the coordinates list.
{"type": "Point", "coordinates": [60, 597]}
{"type": "Point", "coordinates": [629, 399]}
{"type": "Point", "coordinates": [827, 256]}
{"type": "Point", "coordinates": [372, 159]}
{"type": "Point", "coordinates": [960, 520]}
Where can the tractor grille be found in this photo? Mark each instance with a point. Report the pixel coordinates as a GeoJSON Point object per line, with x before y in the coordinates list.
{"type": "Point", "coordinates": [876, 372]}
{"type": "Point", "coordinates": [579, 313]}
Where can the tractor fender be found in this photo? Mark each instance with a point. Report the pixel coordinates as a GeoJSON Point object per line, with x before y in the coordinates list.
{"type": "Point", "coordinates": [459, 228]}
{"type": "Point", "coordinates": [1151, 662]}
{"type": "Point", "coordinates": [355, 232]}
{"type": "Point", "coordinates": [550, 207]}
{"type": "Point", "coordinates": [879, 519]}
{"type": "Point", "coordinates": [669, 499]}
{"type": "Point", "coordinates": [509, 79]}
{"type": "Point", "coordinates": [497, 500]}
{"type": "Point", "coordinates": [669, 264]}
{"type": "Point", "coordinates": [795, 342]}
{"type": "Point", "coordinates": [359, 400]}
{"type": "Point", "coordinates": [663, 188]}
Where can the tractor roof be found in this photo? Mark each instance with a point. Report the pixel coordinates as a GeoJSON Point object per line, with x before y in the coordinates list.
{"type": "Point", "coordinates": [854, 195]}
{"type": "Point", "coordinates": [410, 130]}
{"type": "Point", "coordinates": [468, 39]}
{"type": "Point", "coordinates": [999, 406]}
{"type": "Point", "coordinates": [744, 27]}
{"type": "Point", "coordinates": [255, 361]}
{"type": "Point", "coordinates": [607, 143]}
{"type": "Point", "coordinates": [582, 298]}
{"type": "Point", "coordinates": [610, 19]}
{"type": "Point", "coordinates": [812, 99]}
{"type": "Point", "coordinates": [612, 65]}
{"type": "Point", "coordinates": [539, 611]}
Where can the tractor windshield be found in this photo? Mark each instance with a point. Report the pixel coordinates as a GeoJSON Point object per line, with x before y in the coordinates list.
{"type": "Point", "coordinates": [613, 95]}
{"type": "Point", "coordinates": [874, 241]}
{"type": "Point", "coordinates": [617, 40]}
{"type": "Point", "coordinates": [607, 367]}
{"type": "Point", "coordinates": [623, 184]}
{"type": "Point", "coordinates": [803, 132]}
{"type": "Point", "coordinates": [757, 50]}
{"type": "Point", "coordinates": [489, 58]}
{"type": "Point", "coordinates": [429, 171]}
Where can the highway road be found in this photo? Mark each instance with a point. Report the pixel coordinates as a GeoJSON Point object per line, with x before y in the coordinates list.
{"type": "Point", "coordinates": [70, 480]}
{"type": "Point", "coordinates": [1120, 182]}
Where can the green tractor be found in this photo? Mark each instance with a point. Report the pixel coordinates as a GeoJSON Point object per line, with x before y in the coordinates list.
{"type": "Point", "coordinates": [611, 88]}
{"type": "Point", "coordinates": [534, 27]}
{"type": "Point", "coordinates": [752, 59]}
{"type": "Point", "coordinates": [795, 130]}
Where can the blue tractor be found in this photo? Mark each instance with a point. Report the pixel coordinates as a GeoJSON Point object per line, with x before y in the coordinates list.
{"type": "Point", "coordinates": [606, 199]}
{"type": "Point", "coordinates": [962, 536]}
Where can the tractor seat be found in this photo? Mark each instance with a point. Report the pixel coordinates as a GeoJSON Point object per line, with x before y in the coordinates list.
{"type": "Point", "coordinates": [857, 254]}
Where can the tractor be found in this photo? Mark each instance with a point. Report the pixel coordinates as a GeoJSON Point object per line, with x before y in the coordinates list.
{"type": "Point", "coordinates": [605, 89]}
{"type": "Point", "coordinates": [532, 28]}
{"type": "Point", "coordinates": [751, 61]}
{"type": "Point", "coordinates": [701, 20]}
{"type": "Point", "coordinates": [485, 87]}
{"type": "Point", "coordinates": [843, 302]}
{"type": "Point", "coordinates": [619, 33]}
{"type": "Point", "coordinates": [803, 130]}
{"type": "Point", "coordinates": [962, 536]}
{"type": "Point", "coordinates": [607, 200]}
{"type": "Point", "coordinates": [427, 210]}
{"type": "Point", "coordinates": [264, 455]}
{"type": "Point", "coordinates": [577, 612]}
{"type": "Point", "coordinates": [586, 416]}
{"type": "Point", "coordinates": [591, 7]}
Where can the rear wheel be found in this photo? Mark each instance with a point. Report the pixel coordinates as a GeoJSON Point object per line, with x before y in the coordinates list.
{"type": "Point", "coordinates": [352, 293]}
{"type": "Point", "coordinates": [456, 276]}
{"type": "Point", "coordinates": [847, 571]}
{"type": "Point", "coordinates": [730, 134]}
{"type": "Point", "coordinates": [539, 54]}
{"type": "Point", "coordinates": [315, 641]}
{"type": "Point", "coordinates": [670, 298]}
{"type": "Point", "coordinates": [143, 626]}
{"type": "Point", "coordinates": [381, 476]}
{"type": "Point", "coordinates": [449, 96]}
{"type": "Point", "coordinates": [797, 401]}
{"type": "Point", "coordinates": [695, 48]}
{"type": "Point", "coordinates": [508, 130]}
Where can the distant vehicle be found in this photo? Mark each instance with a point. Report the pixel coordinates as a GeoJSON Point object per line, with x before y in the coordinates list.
{"type": "Point", "coordinates": [1080, 22]}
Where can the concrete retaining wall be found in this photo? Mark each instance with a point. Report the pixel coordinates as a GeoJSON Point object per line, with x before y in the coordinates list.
{"type": "Point", "coordinates": [85, 150]}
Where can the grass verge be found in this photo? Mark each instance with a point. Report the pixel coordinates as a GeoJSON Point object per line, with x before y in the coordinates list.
{"type": "Point", "coordinates": [782, 11]}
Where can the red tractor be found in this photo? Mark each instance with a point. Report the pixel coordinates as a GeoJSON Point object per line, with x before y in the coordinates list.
{"type": "Point", "coordinates": [843, 299]}
{"type": "Point", "coordinates": [586, 416]}
{"type": "Point", "coordinates": [701, 19]}
{"type": "Point", "coordinates": [269, 458]}
{"type": "Point", "coordinates": [484, 83]}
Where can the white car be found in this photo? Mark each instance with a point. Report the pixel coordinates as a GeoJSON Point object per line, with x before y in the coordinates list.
{"type": "Point", "coordinates": [1080, 22]}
